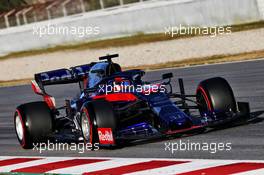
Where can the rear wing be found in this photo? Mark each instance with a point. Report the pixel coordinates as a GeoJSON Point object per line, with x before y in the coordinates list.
{"type": "Point", "coordinates": [60, 76]}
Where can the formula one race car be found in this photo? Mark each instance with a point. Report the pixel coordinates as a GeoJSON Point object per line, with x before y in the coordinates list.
{"type": "Point", "coordinates": [117, 107]}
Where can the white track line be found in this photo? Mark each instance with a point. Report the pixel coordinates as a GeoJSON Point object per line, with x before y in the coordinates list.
{"type": "Point", "coordinates": [253, 172]}
{"type": "Point", "coordinates": [9, 168]}
{"type": "Point", "coordinates": [113, 163]}
{"type": "Point", "coordinates": [185, 167]}
{"type": "Point", "coordinates": [207, 65]}
{"type": "Point", "coordinates": [192, 165]}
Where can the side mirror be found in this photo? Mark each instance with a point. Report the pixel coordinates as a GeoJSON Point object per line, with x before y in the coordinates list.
{"type": "Point", "coordinates": [167, 76]}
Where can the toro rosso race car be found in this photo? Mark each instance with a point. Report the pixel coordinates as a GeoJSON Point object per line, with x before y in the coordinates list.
{"type": "Point", "coordinates": [116, 107]}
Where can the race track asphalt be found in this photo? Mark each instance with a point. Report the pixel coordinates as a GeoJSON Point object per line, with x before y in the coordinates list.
{"type": "Point", "coordinates": [247, 141]}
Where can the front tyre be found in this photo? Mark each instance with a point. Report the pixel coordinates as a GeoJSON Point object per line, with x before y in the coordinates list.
{"type": "Point", "coordinates": [98, 123]}
{"type": "Point", "coordinates": [88, 125]}
{"type": "Point", "coordinates": [215, 95]}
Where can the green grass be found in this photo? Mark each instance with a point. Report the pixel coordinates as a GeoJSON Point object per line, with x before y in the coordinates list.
{"type": "Point", "coordinates": [15, 83]}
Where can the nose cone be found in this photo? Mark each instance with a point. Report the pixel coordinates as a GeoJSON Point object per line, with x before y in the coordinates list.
{"type": "Point", "coordinates": [180, 123]}
{"type": "Point", "coordinates": [175, 118]}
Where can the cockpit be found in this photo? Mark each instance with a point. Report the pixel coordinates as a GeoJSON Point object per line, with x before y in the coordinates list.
{"type": "Point", "coordinates": [100, 71]}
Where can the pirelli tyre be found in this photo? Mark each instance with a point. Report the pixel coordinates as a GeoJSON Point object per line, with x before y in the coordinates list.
{"type": "Point", "coordinates": [33, 123]}
{"type": "Point", "coordinates": [98, 123]}
{"type": "Point", "coordinates": [88, 124]}
{"type": "Point", "coordinates": [215, 95]}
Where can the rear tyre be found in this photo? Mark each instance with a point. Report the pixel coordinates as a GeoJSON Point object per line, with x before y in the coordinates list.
{"type": "Point", "coordinates": [215, 95]}
{"type": "Point", "coordinates": [33, 123]}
